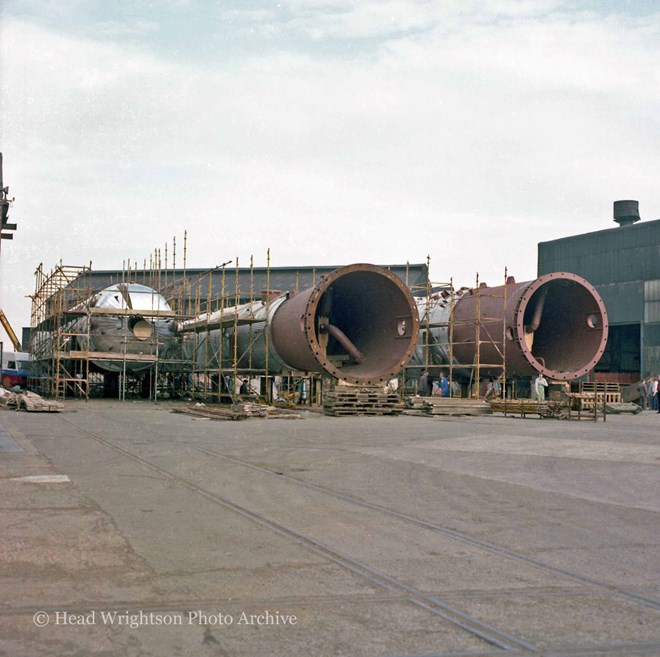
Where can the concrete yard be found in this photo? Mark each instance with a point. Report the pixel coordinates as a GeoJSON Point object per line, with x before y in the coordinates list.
{"type": "Point", "coordinates": [139, 532]}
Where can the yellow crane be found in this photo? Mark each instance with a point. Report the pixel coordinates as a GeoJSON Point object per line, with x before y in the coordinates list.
{"type": "Point", "coordinates": [10, 331]}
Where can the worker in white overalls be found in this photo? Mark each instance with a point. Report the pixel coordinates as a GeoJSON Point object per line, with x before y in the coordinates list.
{"type": "Point", "coordinates": [540, 384]}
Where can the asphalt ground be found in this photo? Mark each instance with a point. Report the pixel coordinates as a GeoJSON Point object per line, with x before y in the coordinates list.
{"type": "Point", "coordinates": [129, 530]}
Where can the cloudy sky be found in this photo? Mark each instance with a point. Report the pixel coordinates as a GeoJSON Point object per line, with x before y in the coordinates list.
{"type": "Point", "coordinates": [331, 131]}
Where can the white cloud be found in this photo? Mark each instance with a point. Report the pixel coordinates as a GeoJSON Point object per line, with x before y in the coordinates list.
{"type": "Point", "coordinates": [464, 135]}
{"type": "Point", "coordinates": [382, 19]}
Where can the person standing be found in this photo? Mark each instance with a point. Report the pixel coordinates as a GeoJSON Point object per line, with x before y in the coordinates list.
{"type": "Point", "coordinates": [643, 394]}
{"type": "Point", "coordinates": [444, 385]}
{"type": "Point", "coordinates": [657, 394]}
{"type": "Point", "coordinates": [423, 387]}
{"type": "Point", "coordinates": [540, 384]}
{"type": "Point", "coordinates": [455, 388]}
{"type": "Point", "coordinates": [648, 383]}
{"type": "Point", "coordinates": [654, 395]}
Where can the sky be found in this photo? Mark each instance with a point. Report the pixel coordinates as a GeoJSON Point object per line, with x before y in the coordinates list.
{"type": "Point", "coordinates": [330, 131]}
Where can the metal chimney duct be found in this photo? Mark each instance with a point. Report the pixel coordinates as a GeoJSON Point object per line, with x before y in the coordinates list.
{"type": "Point", "coordinates": [626, 213]}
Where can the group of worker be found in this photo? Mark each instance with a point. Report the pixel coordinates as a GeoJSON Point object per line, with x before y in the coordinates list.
{"type": "Point", "coordinates": [441, 387]}
{"type": "Point", "coordinates": [428, 387]}
{"type": "Point", "coordinates": [649, 393]}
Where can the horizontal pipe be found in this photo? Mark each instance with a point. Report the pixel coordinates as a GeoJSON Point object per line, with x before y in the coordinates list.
{"type": "Point", "coordinates": [343, 340]}
{"type": "Point", "coordinates": [538, 312]}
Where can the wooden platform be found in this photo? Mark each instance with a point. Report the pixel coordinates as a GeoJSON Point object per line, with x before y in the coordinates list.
{"type": "Point", "coordinates": [364, 400]}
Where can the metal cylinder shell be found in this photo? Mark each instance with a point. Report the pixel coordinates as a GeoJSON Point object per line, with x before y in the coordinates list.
{"type": "Point", "coordinates": [370, 305]}
{"type": "Point", "coordinates": [567, 344]}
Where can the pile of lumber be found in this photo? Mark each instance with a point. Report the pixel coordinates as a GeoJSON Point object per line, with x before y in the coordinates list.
{"type": "Point", "coordinates": [241, 411]}
{"type": "Point", "coordinates": [446, 406]}
{"type": "Point", "coordinates": [363, 400]}
{"type": "Point", "coordinates": [525, 407]}
{"type": "Point", "coordinates": [251, 409]}
{"type": "Point", "coordinates": [29, 401]}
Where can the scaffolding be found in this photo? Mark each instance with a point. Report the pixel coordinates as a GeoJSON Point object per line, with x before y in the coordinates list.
{"type": "Point", "coordinates": [61, 361]}
{"type": "Point", "coordinates": [432, 343]}
{"type": "Point", "coordinates": [496, 370]}
{"type": "Point", "coordinates": [224, 360]}
{"type": "Point", "coordinates": [58, 301]}
{"type": "Point", "coordinates": [219, 364]}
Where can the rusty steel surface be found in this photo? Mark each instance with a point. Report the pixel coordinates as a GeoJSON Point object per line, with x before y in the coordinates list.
{"type": "Point", "coordinates": [358, 324]}
{"type": "Point", "coordinates": [556, 325]}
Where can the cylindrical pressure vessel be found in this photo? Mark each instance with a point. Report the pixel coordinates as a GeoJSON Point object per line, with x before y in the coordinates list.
{"type": "Point", "coordinates": [556, 325]}
{"type": "Point", "coordinates": [358, 324]}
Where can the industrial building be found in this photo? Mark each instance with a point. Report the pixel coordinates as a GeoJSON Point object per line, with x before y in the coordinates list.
{"type": "Point", "coordinates": [623, 264]}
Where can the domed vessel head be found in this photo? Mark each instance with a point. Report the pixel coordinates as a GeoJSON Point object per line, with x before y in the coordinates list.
{"type": "Point", "coordinates": [130, 321]}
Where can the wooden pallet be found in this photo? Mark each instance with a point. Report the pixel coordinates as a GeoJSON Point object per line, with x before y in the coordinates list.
{"type": "Point", "coordinates": [361, 401]}
{"type": "Point", "coordinates": [610, 393]}
{"type": "Point", "coordinates": [585, 401]}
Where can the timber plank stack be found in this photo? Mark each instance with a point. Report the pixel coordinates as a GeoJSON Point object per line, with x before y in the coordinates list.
{"type": "Point", "coordinates": [33, 402]}
{"type": "Point", "coordinates": [364, 400]}
{"type": "Point", "coordinates": [451, 406]}
{"type": "Point", "coordinates": [235, 412]}
{"type": "Point", "coordinates": [213, 412]}
{"type": "Point", "coordinates": [525, 407]}
{"type": "Point", "coordinates": [251, 409]}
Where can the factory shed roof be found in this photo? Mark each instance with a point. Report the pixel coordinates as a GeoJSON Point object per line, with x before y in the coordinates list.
{"type": "Point", "coordinates": [255, 279]}
{"type": "Point", "coordinates": [616, 255]}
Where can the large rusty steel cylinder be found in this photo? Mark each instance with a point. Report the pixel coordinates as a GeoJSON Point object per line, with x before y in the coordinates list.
{"type": "Point", "coordinates": [358, 324]}
{"type": "Point", "coordinates": [556, 325]}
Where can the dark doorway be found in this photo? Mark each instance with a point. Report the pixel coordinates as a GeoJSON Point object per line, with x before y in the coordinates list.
{"type": "Point", "coordinates": [622, 353]}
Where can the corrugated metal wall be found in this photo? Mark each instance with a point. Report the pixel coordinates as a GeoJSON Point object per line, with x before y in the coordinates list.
{"type": "Point", "coordinates": [617, 255]}
{"type": "Point", "coordinates": [651, 350]}
{"type": "Point", "coordinates": [623, 264]}
{"type": "Point", "coordinates": [651, 301]}
{"type": "Point", "coordinates": [624, 301]}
